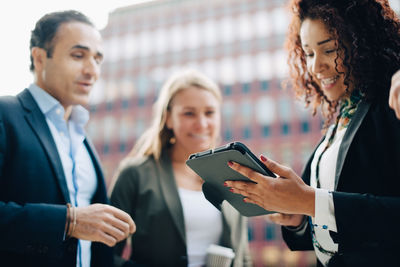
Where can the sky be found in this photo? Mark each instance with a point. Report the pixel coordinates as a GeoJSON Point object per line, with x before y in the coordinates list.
{"type": "Point", "coordinates": [17, 20]}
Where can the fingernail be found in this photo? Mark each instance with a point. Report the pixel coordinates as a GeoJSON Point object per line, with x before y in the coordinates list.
{"type": "Point", "coordinates": [230, 163]}
{"type": "Point", "coordinates": [225, 184]}
{"type": "Point", "coordinates": [231, 189]}
{"type": "Point", "coordinates": [244, 200]}
{"type": "Point", "coordinates": [263, 158]}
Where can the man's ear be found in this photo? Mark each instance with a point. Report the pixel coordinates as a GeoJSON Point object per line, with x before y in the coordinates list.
{"type": "Point", "coordinates": [39, 56]}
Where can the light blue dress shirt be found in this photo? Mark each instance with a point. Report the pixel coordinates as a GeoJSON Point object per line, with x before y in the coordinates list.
{"type": "Point", "coordinates": [78, 167]}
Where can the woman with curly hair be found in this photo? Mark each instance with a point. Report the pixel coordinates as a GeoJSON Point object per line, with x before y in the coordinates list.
{"type": "Point", "coordinates": [342, 56]}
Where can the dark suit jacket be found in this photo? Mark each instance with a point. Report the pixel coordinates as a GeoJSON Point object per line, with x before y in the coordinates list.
{"type": "Point", "coordinates": [147, 191]}
{"type": "Point", "coordinates": [367, 191]}
{"type": "Point", "coordinates": [33, 191]}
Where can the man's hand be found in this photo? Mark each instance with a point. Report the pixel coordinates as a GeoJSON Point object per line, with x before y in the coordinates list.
{"type": "Point", "coordinates": [394, 97]}
{"type": "Point", "coordinates": [103, 223]}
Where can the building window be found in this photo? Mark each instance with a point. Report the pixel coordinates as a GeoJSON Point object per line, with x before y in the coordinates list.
{"type": "Point", "coordinates": [262, 24]}
{"type": "Point", "coordinates": [264, 85]}
{"type": "Point", "coordinates": [109, 106]}
{"type": "Point", "coordinates": [227, 90]}
{"type": "Point", "coordinates": [246, 68]}
{"type": "Point", "coordinates": [122, 147]}
{"type": "Point", "coordinates": [263, 65]}
{"type": "Point", "coordinates": [106, 149]}
{"type": "Point", "coordinates": [285, 109]}
{"type": "Point", "coordinates": [209, 32]}
{"type": "Point", "coordinates": [246, 110]}
{"type": "Point", "coordinates": [145, 44]}
{"type": "Point", "coordinates": [142, 85]}
{"type": "Point", "coordinates": [129, 47]}
{"type": "Point", "coordinates": [125, 104]}
{"type": "Point", "coordinates": [176, 38]}
{"type": "Point", "coordinates": [280, 19]}
{"type": "Point", "coordinates": [244, 27]}
{"type": "Point", "coordinates": [93, 108]}
{"type": "Point", "coordinates": [161, 41]}
{"type": "Point", "coordinates": [246, 88]}
{"type": "Point", "coordinates": [250, 232]}
{"type": "Point", "coordinates": [246, 132]}
{"type": "Point", "coordinates": [285, 129]}
{"type": "Point", "coordinates": [305, 127]}
{"type": "Point", "coordinates": [266, 131]}
{"type": "Point", "coordinates": [227, 72]}
{"type": "Point", "coordinates": [270, 232]}
{"type": "Point", "coordinates": [210, 66]}
{"type": "Point", "coordinates": [265, 110]}
{"type": "Point", "coordinates": [226, 30]}
{"type": "Point", "coordinates": [280, 65]}
{"type": "Point", "coordinates": [193, 36]}
{"type": "Point", "coordinates": [141, 102]}
{"type": "Point", "coordinates": [228, 134]}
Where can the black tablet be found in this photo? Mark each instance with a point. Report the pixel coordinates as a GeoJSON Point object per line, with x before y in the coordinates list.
{"type": "Point", "coordinates": [212, 167]}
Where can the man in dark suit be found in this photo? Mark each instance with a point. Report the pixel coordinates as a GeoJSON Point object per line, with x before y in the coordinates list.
{"type": "Point", "coordinates": [50, 176]}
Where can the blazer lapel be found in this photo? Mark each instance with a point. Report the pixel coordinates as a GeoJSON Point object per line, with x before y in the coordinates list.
{"type": "Point", "coordinates": [37, 122]}
{"type": "Point", "coordinates": [226, 213]}
{"type": "Point", "coordinates": [170, 193]}
{"type": "Point", "coordinates": [101, 191]}
{"type": "Point", "coordinates": [348, 137]}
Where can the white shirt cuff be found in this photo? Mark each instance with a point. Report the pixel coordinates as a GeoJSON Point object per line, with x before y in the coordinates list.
{"type": "Point", "coordinates": [324, 210]}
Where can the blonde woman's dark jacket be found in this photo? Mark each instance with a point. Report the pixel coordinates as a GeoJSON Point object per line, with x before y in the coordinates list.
{"type": "Point", "coordinates": [146, 189]}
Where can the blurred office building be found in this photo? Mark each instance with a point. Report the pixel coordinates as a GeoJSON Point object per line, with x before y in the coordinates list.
{"type": "Point", "coordinates": [239, 44]}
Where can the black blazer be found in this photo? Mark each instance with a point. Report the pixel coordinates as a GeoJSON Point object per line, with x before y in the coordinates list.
{"type": "Point", "coordinates": [367, 191]}
{"type": "Point", "coordinates": [33, 191]}
{"type": "Point", "coordinates": [146, 189]}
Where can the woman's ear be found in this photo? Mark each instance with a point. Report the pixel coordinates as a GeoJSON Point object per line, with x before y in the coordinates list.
{"type": "Point", "coordinates": [168, 120]}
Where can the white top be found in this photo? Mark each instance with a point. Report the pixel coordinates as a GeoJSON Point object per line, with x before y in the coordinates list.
{"type": "Point", "coordinates": [203, 225]}
{"type": "Point", "coordinates": [325, 221]}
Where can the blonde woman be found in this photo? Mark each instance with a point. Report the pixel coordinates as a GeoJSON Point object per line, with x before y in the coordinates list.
{"type": "Point", "coordinates": [175, 223]}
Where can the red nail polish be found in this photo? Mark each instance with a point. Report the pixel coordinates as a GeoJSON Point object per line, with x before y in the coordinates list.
{"type": "Point", "coordinates": [230, 163]}
{"type": "Point", "coordinates": [263, 158]}
{"type": "Point", "coordinates": [231, 189]}
{"type": "Point", "coordinates": [244, 200]}
{"type": "Point", "coordinates": [225, 184]}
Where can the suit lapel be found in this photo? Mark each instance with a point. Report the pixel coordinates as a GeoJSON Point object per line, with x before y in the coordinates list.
{"type": "Point", "coordinates": [101, 192]}
{"type": "Point", "coordinates": [355, 123]}
{"type": "Point", "coordinates": [170, 194]}
{"type": "Point", "coordinates": [37, 122]}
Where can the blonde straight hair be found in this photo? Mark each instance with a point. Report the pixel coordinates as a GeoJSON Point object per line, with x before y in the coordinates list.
{"type": "Point", "coordinates": [157, 137]}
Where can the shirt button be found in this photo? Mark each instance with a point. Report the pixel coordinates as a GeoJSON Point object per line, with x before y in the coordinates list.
{"type": "Point", "coordinates": [58, 111]}
{"type": "Point", "coordinates": [324, 227]}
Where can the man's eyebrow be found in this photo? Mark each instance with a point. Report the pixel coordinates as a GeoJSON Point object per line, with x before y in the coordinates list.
{"type": "Point", "coordinates": [78, 46]}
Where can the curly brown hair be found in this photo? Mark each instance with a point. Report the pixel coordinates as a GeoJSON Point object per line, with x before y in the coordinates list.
{"type": "Point", "coordinates": [371, 30]}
